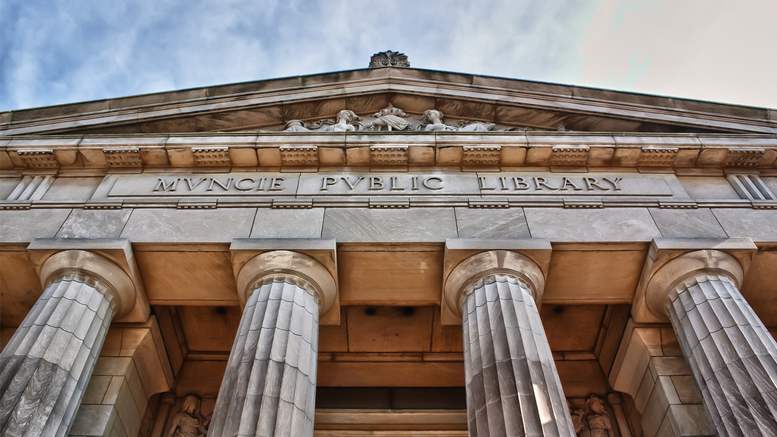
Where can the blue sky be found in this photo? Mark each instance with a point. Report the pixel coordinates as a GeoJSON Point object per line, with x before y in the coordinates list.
{"type": "Point", "coordinates": [63, 51]}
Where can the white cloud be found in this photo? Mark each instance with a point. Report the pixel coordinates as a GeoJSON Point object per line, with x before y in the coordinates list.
{"type": "Point", "coordinates": [61, 51]}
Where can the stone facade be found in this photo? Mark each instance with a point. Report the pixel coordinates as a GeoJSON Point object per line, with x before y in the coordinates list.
{"type": "Point", "coordinates": [388, 251]}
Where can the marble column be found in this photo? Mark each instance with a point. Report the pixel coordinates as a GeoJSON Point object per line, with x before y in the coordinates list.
{"type": "Point", "coordinates": [46, 366]}
{"type": "Point", "coordinates": [732, 355]}
{"type": "Point", "coordinates": [270, 382]}
{"type": "Point", "coordinates": [513, 388]}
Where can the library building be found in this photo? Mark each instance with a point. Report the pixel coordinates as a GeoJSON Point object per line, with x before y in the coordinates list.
{"type": "Point", "coordinates": [388, 251]}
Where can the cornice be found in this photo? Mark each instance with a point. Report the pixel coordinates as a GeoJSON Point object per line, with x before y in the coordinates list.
{"type": "Point", "coordinates": [412, 82]}
{"type": "Point", "coordinates": [673, 153]}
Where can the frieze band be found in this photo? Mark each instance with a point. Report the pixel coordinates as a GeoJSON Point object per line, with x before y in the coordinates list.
{"type": "Point", "coordinates": [350, 184]}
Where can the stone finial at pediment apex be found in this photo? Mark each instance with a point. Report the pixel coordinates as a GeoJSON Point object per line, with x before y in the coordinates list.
{"type": "Point", "coordinates": [389, 59]}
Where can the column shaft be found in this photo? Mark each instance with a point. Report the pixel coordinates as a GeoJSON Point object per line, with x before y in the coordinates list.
{"type": "Point", "coordinates": [269, 385]}
{"type": "Point", "coordinates": [45, 367]}
{"type": "Point", "coordinates": [513, 388]}
{"type": "Point", "coordinates": [731, 354]}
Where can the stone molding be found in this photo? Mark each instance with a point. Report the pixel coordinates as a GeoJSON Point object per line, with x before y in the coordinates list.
{"type": "Point", "coordinates": [110, 263]}
{"type": "Point", "coordinates": [311, 264]}
{"type": "Point", "coordinates": [364, 149]}
{"type": "Point", "coordinates": [468, 261]}
{"type": "Point", "coordinates": [672, 261]}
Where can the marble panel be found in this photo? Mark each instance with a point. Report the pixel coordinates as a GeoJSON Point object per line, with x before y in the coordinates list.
{"type": "Point", "coordinates": [26, 225]}
{"type": "Point", "coordinates": [760, 225]}
{"type": "Point", "coordinates": [610, 224]}
{"type": "Point", "coordinates": [491, 223]}
{"type": "Point", "coordinates": [93, 420]}
{"type": "Point", "coordinates": [72, 188]}
{"type": "Point", "coordinates": [288, 223]}
{"type": "Point", "coordinates": [687, 223]}
{"type": "Point", "coordinates": [708, 187]}
{"type": "Point", "coordinates": [389, 225]}
{"type": "Point", "coordinates": [593, 276]}
{"type": "Point", "coordinates": [771, 182]}
{"type": "Point", "coordinates": [188, 278]}
{"type": "Point", "coordinates": [389, 329]}
{"type": "Point", "coordinates": [191, 226]}
{"type": "Point", "coordinates": [90, 223]}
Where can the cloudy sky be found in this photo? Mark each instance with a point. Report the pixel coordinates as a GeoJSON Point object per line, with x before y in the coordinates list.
{"type": "Point", "coordinates": [62, 51]}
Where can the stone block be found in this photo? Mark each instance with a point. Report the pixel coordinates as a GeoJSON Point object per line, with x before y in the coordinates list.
{"type": "Point", "coordinates": [690, 420]}
{"type": "Point", "coordinates": [112, 366]}
{"type": "Point", "coordinates": [491, 223]}
{"type": "Point", "coordinates": [708, 187]}
{"type": "Point", "coordinates": [93, 420]}
{"type": "Point", "coordinates": [288, 223]}
{"type": "Point", "coordinates": [756, 224]}
{"type": "Point", "coordinates": [687, 390]}
{"type": "Point", "coordinates": [72, 188]}
{"type": "Point", "coordinates": [611, 224]}
{"type": "Point", "coordinates": [96, 389]}
{"type": "Point", "coordinates": [687, 223]}
{"type": "Point", "coordinates": [88, 223]}
{"type": "Point", "coordinates": [669, 366]}
{"type": "Point", "coordinates": [27, 225]}
{"type": "Point", "coordinates": [172, 225]}
{"type": "Point", "coordinates": [389, 225]}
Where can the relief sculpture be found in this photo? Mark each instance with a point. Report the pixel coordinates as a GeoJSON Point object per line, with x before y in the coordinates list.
{"type": "Point", "coordinates": [390, 118]}
{"type": "Point", "coordinates": [188, 422]}
{"type": "Point", "coordinates": [591, 419]}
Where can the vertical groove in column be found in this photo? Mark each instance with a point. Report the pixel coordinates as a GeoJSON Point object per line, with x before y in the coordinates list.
{"type": "Point", "coordinates": [45, 367]}
{"type": "Point", "coordinates": [269, 386]}
{"type": "Point", "coordinates": [731, 353]}
{"type": "Point", "coordinates": [513, 388]}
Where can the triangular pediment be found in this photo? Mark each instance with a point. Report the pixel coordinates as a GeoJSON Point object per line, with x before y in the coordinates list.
{"type": "Point", "coordinates": [501, 104]}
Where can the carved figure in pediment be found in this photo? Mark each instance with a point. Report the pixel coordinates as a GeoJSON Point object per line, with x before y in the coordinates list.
{"type": "Point", "coordinates": [599, 423]}
{"type": "Point", "coordinates": [295, 126]}
{"type": "Point", "coordinates": [431, 121]}
{"type": "Point", "coordinates": [390, 118]}
{"type": "Point", "coordinates": [347, 121]}
{"type": "Point", "coordinates": [188, 422]}
{"type": "Point", "coordinates": [476, 127]}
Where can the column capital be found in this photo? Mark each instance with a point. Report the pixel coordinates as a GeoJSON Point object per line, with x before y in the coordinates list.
{"type": "Point", "coordinates": [109, 262]}
{"type": "Point", "coordinates": [672, 261]}
{"type": "Point", "coordinates": [310, 262]}
{"type": "Point", "coordinates": [467, 261]}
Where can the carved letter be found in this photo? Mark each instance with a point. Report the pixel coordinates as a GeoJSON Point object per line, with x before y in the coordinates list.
{"type": "Point", "coordinates": [352, 185]}
{"type": "Point", "coordinates": [565, 182]}
{"type": "Point", "coordinates": [193, 186]}
{"type": "Point", "coordinates": [276, 184]}
{"type": "Point", "coordinates": [218, 182]}
{"type": "Point", "coordinates": [163, 186]}
{"type": "Point", "coordinates": [482, 182]}
{"type": "Point", "coordinates": [415, 183]}
{"type": "Point", "coordinates": [241, 188]}
{"type": "Point", "coordinates": [394, 186]}
{"type": "Point", "coordinates": [520, 184]}
{"type": "Point", "coordinates": [614, 182]}
{"type": "Point", "coordinates": [542, 182]}
{"type": "Point", "coordinates": [376, 183]}
{"type": "Point", "coordinates": [593, 182]}
{"type": "Point", "coordinates": [438, 187]}
{"type": "Point", "coordinates": [503, 181]}
{"type": "Point", "coordinates": [260, 187]}
{"type": "Point", "coordinates": [327, 181]}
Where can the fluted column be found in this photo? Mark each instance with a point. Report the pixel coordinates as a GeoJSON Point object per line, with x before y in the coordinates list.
{"type": "Point", "coordinates": [45, 367]}
{"type": "Point", "coordinates": [513, 388]}
{"type": "Point", "coordinates": [732, 355]}
{"type": "Point", "coordinates": [270, 382]}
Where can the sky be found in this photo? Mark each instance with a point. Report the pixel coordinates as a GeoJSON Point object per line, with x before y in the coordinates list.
{"type": "Point", "coordinates": [64, 51]}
